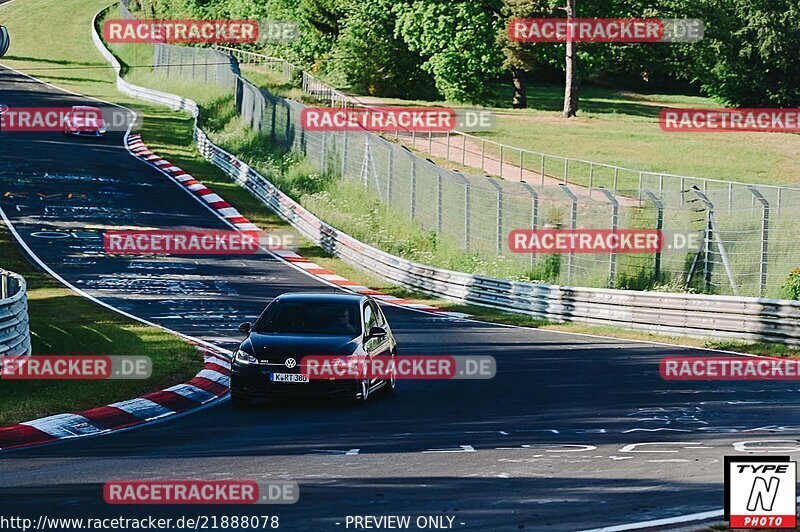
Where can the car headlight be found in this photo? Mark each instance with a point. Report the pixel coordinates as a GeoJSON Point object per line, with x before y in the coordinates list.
{"type": "Point", "coordinates": [243, 357]}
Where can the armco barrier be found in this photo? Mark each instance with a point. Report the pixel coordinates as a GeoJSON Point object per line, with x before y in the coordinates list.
{"type": "Point", "coordinates": [15, 336]}
{"type": "Point", "coordinates": [669, 313]}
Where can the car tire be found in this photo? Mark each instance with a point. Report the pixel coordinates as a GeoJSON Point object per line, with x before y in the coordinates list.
{"type": "Point", "coordinates": [240, 401]}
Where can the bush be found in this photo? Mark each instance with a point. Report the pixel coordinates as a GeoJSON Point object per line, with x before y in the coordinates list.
{"type": "Point", "coordinates": [791, 290]}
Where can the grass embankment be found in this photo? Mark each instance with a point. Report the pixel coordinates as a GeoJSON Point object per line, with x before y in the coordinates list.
{"type": "Point", "coordinates": [169, 133]}
{"type": "Point", "coordinates": [51, 41]}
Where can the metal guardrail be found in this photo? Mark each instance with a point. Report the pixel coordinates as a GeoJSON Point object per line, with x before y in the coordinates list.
{"type": "Point", "coordinates": [696, 315]}
{"type": "Point", "coordinates": [15, 336]}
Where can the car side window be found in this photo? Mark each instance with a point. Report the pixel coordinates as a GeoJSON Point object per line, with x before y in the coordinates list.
{"type": "Point", "coordinates": [369, 318]}
{"type": "Point", "coordinates": [381, 322]}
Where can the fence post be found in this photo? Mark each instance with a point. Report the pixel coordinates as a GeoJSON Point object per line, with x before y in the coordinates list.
{"type": "Point", "coordinates": [534, 212]}
{"type": "Point", "coordinates": [612, 257]}
{"type": "Point", "coordinates": [499, 215]}
{"type": "Point", "coordinates": [463, 150]}
{"type": "Point", "coordinates": [413, 186]}
{"type": "Point", "coordinates": [501, 161]}
{"type": "Point", "coordinates": [448, 145]}
{"type": "Point", "coordinates": [542, 169]}
{"type": "Point", "coordinates": [591, 178]}
{"type": "Point", "coordinates": [483, 151]}
{"type": "Point", "coordinates": [273, 121]}
{"type": "Point", "coordinates": [762, 266]}
{"type": "Point", "coordinates": [566, 169]}
{"type": "Point", "coordinates": [616, 179]}
{"type": "Point", "coordinates": [344, 153]}
{"type": "Point", "coordinates": [389, 175]}
{"type": "Point", "coordinates": [659, 226]}
{"type": "Point", "coordinates": [641, 184]}
{"type": "Point", "coordinates": [439, 202]}
{"type": "Point", "coordinates": [324, 154]}
{"type": "Point", "coordinates": [711, 232]}
{"type": "Point", "coordinates": [467, 212]}
{"type": "Point", "coordinates": [521, 163]}
{"type": "Point", "coordinates": [573, 223]}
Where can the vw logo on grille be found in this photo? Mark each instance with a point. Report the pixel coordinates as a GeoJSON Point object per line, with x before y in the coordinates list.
{"type": "Point", "coordinates": [290, 363]}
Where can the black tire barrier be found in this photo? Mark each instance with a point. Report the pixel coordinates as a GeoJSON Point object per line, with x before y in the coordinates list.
{"type": "Point", "coordinates": [5, 40]}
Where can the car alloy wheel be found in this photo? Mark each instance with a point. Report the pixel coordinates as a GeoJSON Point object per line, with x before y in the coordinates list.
{"type": "Point", "coordinates": [365, 389]}
{"type": "Point", "coordinates": [393, 376]}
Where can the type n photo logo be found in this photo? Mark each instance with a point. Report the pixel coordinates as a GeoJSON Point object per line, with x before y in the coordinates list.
{"type": "Point", "coordinates": [760, 492]}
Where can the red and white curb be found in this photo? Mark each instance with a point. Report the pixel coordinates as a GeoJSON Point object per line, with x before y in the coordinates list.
{"type": "Point", "coordinates": [233, 216]}
{"type": "Point", "coordinates": [212, 383]}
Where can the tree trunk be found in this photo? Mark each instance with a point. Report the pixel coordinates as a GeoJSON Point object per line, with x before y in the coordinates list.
{"type": "Point", "coordinates": [520, 100]}
{"type": "Point", "coordinates": [571, 83]}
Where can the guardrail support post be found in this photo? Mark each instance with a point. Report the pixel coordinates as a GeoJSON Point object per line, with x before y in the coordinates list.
{"type": "Point", "coordinates": [612, 257]}
{"type": "Point", "coordinates": [762, 266]}
{"type": "Point", "coordinates": [659, 227]}
{"type": "Point", "coordinates": [573, 223]}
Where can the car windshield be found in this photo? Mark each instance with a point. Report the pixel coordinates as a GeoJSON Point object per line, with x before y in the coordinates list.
{"type": "Point", "coordinates": [310, 317]}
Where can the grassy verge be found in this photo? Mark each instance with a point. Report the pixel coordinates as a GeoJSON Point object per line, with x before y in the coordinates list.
{"type": "Point", "coordinates": [57, 49]}
{"type": "Point", "coordinates": [64, 323]}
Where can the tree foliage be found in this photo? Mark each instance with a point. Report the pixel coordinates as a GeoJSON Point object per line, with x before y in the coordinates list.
{"type": "Point", "coordinates": [749, 56]}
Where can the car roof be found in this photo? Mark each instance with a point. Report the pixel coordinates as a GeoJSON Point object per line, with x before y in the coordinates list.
{"type": "Point", "coordinates": [318, 297]}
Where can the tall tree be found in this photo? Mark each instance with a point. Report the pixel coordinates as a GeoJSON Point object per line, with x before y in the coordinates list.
{"type": "Point", "coordinates": [520, 58]}
{"type": "Point", "coordinates": [458, 40]}
{"type": "Point", "coordinates": [570, 68]}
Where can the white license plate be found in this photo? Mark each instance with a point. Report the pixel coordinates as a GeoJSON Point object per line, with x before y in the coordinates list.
{"type": "Point", "coordinates": [289, 378]}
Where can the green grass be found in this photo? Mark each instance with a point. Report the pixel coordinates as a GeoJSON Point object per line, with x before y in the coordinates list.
{"type": "Point", "coordinates": [64, 323]}
{"type": "Point", "coordinates": [51, 41]}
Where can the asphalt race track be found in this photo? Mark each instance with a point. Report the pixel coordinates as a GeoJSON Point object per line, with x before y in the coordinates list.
{"type": "Point", "coordinates": [574, 432]}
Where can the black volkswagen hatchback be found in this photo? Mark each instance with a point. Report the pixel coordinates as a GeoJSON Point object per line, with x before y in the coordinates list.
{"type": "Point", "coordinates": [347, 327]}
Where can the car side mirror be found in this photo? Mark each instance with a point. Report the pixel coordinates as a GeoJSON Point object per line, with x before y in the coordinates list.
{"type": "Point", "coordinates": [376, 332]}
{"type": "Point", "coordinates": [246, 327]}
